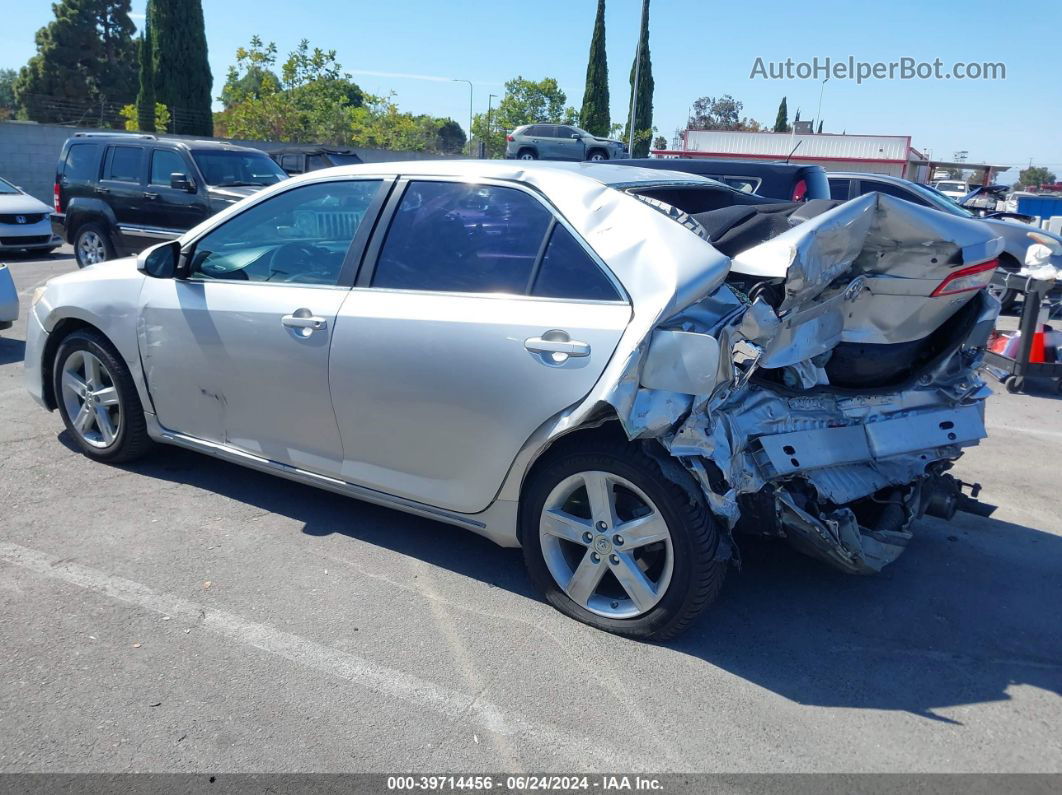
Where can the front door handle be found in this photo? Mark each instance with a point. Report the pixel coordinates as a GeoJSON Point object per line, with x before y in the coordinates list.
{"type": "Point", "coordinates": [558, 345]}
{"type": "Point", "coordinates": [151, 195]}
{"type": "Point", "coordinates": [304, 321]}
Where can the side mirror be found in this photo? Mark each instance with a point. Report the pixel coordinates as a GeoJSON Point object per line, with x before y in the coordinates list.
{"type": "Point", "coordinates": [160, 262]}
{"type": "Point", "coordinates": [576, 136]}
{"type": "Point", "coordinates": [179, 181]}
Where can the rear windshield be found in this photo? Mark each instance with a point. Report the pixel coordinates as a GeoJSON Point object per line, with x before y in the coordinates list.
{"type": "Point", "coordinates": [224, 169]}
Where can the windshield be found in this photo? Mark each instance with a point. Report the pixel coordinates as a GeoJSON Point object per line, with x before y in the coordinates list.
{"type": "Point", "coordinates": [7, 187]}
{"type": "Point", "coordinates": [224, 169]}
{"type": "Point", "coordinates": [939, 200]}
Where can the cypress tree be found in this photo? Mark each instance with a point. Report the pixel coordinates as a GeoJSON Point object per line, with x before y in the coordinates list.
{"type": "Point", "coordinates": [781, 121]}
{"type": "Point", "coordinates": [182, 73]}
{"type": "Point", "coordinates": [594, 116]}
{"type": "Point", "coordinates": [145, 100]}
{"type": "Point", "coordinates": [820, 126]}
{"type": "Point", "coordinates": [642, 94]}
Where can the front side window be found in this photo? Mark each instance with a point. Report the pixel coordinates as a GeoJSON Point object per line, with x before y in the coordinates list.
{"type": "Point", "coordinates": [300, 236]}
{"type": "Point", "coordinates": [291, 164]}
{"type": "Point", "coordinates": [839, 189]}
{"type": "Point", "coordinates": [460, 237]}
{"type": "Point", "coordinates": [124, 165]}
{"type": "Point", "coordinates": [165, 162]}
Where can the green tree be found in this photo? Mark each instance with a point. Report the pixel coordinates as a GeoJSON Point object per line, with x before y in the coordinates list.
{"type": "Point", "coordinates": [660, 142]}
{"type": "Point", "coordinates": [182, 71]}
{"type": "Point", "coordinates": [594, 116]}
{"type": "Point", "coordinates": [723, 113]}
{"type": "Point", "coordinates": [7, 87]}
{"type": "Point", "coordinates": [642, 92]}
{"type": "Point", "coordinates": [781, 121]}
{"type": "Point", "coordinates": [145, 99]}
{"type": "Point", "coordinates": [820, 127]}
{"type": "Point", "coordinates": [131, 114]}
{"type": "Point", "coordinates": [251, 77]}
{"type": "Point", "coordinates": [1034, 176]}
{"type": "Point", "coordinates": [86, 60]}
{"type": "Point", "coordinates": [524, 102]}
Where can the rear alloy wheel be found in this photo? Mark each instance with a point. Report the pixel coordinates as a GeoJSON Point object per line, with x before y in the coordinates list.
{"type": "Point", "coordinates": [616, 542]}
{"type": "Point", "coordinates": [91, 246]}
{"type": "Point", "coordinates": [98, 400]}
{"type": "Point", "coordinates": [526, 154]}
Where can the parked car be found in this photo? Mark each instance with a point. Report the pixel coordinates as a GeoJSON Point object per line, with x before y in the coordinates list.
{"type": "Point", "coordinates": [781, 181]}
{"type": "Point", "coordinates": [8, 299]}
{"type": "Point", "coordinates": [591, 373]}
{"type": "Point", "coordinates": [560, 142]}
{"type": "Point", "coordinates": [1015, 235]}
{"type": "Point", "coordinates": [24, 222]}
{"type": "Point", "coordinates": [117, 193]}
{"type": "Point", "coordinates": [952, 188]}
{"type": "Point", "coordinates": [300, 159]}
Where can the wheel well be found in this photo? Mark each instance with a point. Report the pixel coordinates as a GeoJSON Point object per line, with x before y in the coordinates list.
{"type": "Point", "coordinates": [1009, 258]}
{"type": "Point", "coordinates": [63, 329]}
{"type": "Point", "coordinates": [603, 427]}
{"type": "Point", "coordinates": [530, 149]}
{"type": "Point", "coordinates": [603, 151]}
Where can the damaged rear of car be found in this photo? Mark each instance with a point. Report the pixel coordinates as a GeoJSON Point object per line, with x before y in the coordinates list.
{"type": "Point", "coordinates": [845, 345]}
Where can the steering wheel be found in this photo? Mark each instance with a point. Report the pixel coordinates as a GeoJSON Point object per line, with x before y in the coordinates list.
{"type": "Point", "coordinates": [295, 255]}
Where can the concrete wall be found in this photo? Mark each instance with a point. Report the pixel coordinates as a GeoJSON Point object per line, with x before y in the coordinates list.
{"type": "Point", "coordinates": [29, 153]}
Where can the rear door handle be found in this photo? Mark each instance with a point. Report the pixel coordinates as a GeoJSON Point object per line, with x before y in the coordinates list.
{"type": "Point", "coordinates": [102, 190]}
{"type": "Point", "coordinates": [151, 195]}
{"type": "Point", "coordinates": [307, 321]}
{"type": "Point", "coordinates": [570, 347]}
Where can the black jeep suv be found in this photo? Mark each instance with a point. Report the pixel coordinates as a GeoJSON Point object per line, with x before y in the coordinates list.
{"type": "Point", "coordinates": [118, 193]}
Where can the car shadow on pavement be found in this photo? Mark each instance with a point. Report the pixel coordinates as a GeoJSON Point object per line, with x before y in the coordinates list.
{"type": "Point", "coordinates": [968, 611]}
{"type": "Point", "coordinates": [12, 351]}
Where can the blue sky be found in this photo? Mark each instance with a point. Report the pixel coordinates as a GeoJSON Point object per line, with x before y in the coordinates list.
{"type": "Point", "coordinates": [699, 47]}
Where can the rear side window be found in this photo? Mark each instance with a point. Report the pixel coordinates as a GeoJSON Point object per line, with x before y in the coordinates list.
{"type": "Point", "coordinates": [567, 271]}
{"type": "Point", "coordinates": [124, 164]}
{"type": "Point", "coordinates": [317, 162]}
{"type": "Point", "coordinates": [868, 186]}
{"type": "Point", "coordinates": [165, 162]}
{"type": "Point", "coordinates": [458, 237]}
{"type": "Point", "coordinates": [82, 162]}
{"type": "Point", "coordinates": [839, 189]}
{"type": "Point", "coordinates": [291, 164]}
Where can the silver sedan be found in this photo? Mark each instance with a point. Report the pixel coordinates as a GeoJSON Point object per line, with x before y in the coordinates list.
{"type": "Point", "coordinates": [617, 370]}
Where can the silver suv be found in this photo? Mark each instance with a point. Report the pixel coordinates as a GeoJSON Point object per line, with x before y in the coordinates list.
{"type": "Point", "coordinates": [560, 142]}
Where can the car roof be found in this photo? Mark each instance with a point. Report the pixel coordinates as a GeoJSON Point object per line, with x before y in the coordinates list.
{"type": "Point", "coordinates": [148, 138]}
{"type": "Point", "coordinates": [697, 165]}
{"type": "Point", "coordinates": [535, 172]}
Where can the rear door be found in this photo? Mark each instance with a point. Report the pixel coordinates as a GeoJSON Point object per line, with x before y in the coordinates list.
{"type": "Point", "coordinates": [122, 188]}
{"type": "Point", "coordinates": [477, 316]}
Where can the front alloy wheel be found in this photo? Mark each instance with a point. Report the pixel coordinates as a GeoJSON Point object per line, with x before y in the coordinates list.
{"type": "Point", "coordinates": [91, 399]}
{"type": "Point", "coordinates": [606, 544]}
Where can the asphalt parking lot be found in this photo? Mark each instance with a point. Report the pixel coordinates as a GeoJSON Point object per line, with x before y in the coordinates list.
{"type": "Point", "coordinates": [184, 614]}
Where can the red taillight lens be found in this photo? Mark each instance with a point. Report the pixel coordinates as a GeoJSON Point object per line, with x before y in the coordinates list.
{"type": "Point", "coordinates": [965, 279]}
{"type": "Point", "coordinates": [55, 197]}
{"type": "Point", "coordinates": [800, 190]}
{"type": "Point", "coordinates": [508, 138]}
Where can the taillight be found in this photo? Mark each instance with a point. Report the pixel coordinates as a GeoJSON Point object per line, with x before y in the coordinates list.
{"type": "Point", "coordinates": [965, 279]}
{"type": "Point", "coordinates": [509, 138]}
{"type": "Point", "coordinates": [800, 190]}
{"type": "Point", "coordinates": [55, 197]}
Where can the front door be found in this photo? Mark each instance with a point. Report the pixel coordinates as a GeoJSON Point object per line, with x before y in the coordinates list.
{"type": "Point", "coordinates": [237, 352]}
{"type": "Point", "coordinates": [482, 317]}
{"type": "Point", "coordinates": [169, 212]}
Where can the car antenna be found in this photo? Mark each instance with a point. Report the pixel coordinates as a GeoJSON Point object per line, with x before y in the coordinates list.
{"type": "Point", "coordinates": [794, 149]}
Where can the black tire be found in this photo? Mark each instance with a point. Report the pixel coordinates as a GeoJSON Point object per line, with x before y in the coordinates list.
{"type": "Point", "coordinates": [1012, 384]}
{"type": "Point", "coordinates": [696, 578]}
{"type": "Point", "coordinates": [131, 440]}
{"type": "Point", "coordinates": [527, 154]}
{"type": "Point", "coordinates": [601, 154]}
{"type": "Point", "coordinates": [83, 233]}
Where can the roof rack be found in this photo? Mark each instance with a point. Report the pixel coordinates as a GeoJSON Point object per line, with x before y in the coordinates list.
{"type": "Point", "coordinates": [146, 136]}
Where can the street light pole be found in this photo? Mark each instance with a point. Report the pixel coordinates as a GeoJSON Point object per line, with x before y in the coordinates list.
{"type": "Point", "coordinates": [819, 111]}
{"type": "Point", "coordinates": [489, 98]}
{"type": "Point", "coordinates": [459, 80]}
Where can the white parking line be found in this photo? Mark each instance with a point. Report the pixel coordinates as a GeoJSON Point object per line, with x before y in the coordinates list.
{"type": "Point", "coordinates": [405, 687]}
{"type": "Point", "coordinates": [1018, 429]}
